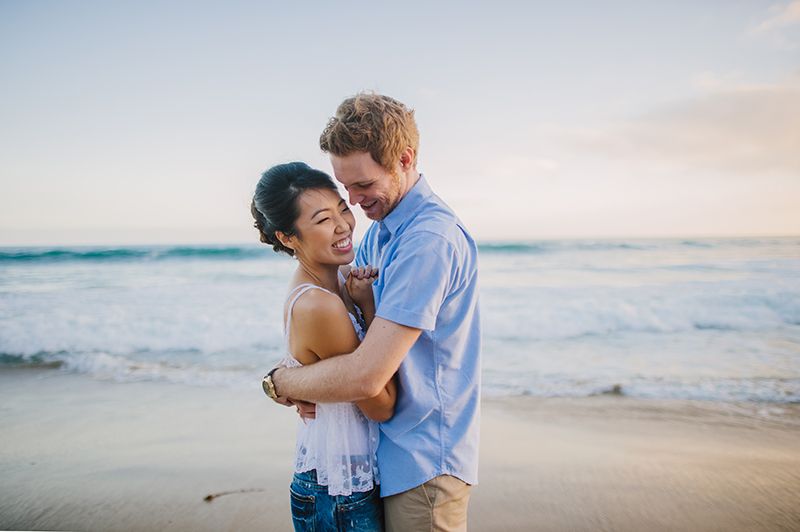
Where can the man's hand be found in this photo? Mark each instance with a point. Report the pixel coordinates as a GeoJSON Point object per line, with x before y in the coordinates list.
{"type": "Point", "coordinates": [304, 409]}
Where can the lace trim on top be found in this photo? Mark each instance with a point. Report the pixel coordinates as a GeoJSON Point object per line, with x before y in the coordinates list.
{"type": "Point", "coordinates": [341, 443]}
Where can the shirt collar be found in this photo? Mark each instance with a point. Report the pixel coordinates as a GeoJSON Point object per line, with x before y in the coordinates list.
{"type": "Point", "coordinates": [408, 206]}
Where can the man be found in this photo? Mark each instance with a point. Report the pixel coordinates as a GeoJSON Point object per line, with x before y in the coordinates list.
{"type": "Point", "coordinates": [426, 326]}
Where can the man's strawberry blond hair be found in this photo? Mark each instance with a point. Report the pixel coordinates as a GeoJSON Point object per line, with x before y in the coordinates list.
{"type": "Point", "coordinates": [372, 123]}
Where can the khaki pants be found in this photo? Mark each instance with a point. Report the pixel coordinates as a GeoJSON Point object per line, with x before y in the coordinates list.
{"type": "Point", "coordinates": [438, 505]}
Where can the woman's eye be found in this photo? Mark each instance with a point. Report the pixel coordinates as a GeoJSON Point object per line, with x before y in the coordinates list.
{"type": "Point", "coordinates": [320, 221]}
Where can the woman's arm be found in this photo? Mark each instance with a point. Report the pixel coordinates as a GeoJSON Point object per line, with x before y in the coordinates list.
{"type": "Point", "coordinates": [321, 325]}
{"type": "Point", "coordinates": [381, 407]}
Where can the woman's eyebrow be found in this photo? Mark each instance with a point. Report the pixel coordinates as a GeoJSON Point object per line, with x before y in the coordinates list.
{"type": "Point", "coordinates": [319, 211]}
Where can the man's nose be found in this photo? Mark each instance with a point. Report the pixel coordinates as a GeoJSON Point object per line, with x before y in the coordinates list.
{"type": "Point", "coordinates": [354, 198]}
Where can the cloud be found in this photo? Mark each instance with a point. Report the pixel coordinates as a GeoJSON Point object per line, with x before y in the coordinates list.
{"type": "Point", "coordinates": [789, 16]}
{"type": "Point", "coordinates": [710, 80]}
{"type": "Point", "coordinates": [772, 30]}
{"type": "Point", "coordinates": [746, 131]}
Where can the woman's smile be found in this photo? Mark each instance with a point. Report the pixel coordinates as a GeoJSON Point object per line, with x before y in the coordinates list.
{"type": "Point", "coordinates": [345, 244]}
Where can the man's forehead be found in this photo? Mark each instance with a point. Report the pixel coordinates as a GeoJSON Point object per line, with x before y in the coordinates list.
{"type": "Point", "coordinates": [353, 173]}
{"type": "Point", "coordinates": [361, 160]}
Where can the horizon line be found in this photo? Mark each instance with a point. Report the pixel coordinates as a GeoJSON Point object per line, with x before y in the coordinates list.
{"type": "Point", "coordinates": [21, 238]}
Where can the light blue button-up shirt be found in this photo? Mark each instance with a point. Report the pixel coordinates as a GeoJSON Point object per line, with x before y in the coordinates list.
{"type": "Point", "coordinates": [428, 280]}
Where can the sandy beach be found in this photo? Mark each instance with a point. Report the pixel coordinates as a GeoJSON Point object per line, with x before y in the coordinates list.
{"type": "Point", "coordinates": [83, 454]}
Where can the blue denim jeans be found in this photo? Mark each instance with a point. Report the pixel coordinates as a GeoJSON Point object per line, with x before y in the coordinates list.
{"type": "Point", "coordinates": [313, 510]}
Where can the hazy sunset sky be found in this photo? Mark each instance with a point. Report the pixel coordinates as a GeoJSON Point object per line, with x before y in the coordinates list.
{"type": "Point", "coordinates": [150, 122]}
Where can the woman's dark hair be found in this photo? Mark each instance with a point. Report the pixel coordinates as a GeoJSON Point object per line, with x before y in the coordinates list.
{"type": "Point", "coordinates": [275, 206]}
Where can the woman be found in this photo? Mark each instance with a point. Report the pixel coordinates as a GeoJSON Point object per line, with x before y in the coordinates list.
{"type": "Point", "coordinates": [299, 211]}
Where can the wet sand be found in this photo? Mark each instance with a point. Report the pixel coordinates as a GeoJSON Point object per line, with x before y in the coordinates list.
{"type": "Point", "coordinates": [83, 454]}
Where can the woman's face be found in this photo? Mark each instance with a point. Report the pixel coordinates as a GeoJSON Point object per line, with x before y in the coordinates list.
{"type": "Point", "coordinates": [324, 228]}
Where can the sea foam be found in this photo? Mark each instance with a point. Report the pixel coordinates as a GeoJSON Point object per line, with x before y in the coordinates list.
{"type": "Point", "coordinates": [715, 319]}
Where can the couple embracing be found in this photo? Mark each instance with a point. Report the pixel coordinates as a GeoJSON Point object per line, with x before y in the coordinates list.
{"type": "Point", "coordinates": [382, 358]}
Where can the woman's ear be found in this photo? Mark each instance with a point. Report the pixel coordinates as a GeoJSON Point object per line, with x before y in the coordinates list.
{"type": "Point", "coordinates": [287, 241]}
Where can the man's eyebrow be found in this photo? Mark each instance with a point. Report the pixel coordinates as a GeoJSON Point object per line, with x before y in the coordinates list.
{"type": "Point", "coordinates": [362, 184]}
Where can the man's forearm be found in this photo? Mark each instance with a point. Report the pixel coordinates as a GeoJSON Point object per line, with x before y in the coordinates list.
{"type": "Point", "coordinates": [327, 381]}
{"type": "Point", "coordinates": [354, 377]}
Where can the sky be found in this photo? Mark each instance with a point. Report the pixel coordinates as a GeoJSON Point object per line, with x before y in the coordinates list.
{"type": "Point", "coordinates": [151, 121]}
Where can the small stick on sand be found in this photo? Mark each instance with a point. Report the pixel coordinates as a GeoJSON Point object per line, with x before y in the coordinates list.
{"type": "Point", "coordinates": [210, 498]}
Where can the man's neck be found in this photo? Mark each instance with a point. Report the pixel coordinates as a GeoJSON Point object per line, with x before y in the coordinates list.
{"type": "Point", "coordinates": [411, 179]}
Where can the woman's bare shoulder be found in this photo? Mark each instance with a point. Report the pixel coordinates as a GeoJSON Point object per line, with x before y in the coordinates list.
{"type": "Point", "coordinates": [322, 320]}
{"type": "Point", "coordinates": [317, 304]}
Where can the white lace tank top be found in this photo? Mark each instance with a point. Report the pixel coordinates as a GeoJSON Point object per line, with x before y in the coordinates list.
{"type": "Point", "coordinates": [341, 443]}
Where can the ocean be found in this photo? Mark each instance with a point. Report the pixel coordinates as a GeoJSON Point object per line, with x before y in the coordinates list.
{"type": "Point", "coordinates": [705, 318]}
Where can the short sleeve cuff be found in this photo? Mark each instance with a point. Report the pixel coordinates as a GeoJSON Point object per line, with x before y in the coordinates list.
{"type": "Point", "coordinates": [404, 317]}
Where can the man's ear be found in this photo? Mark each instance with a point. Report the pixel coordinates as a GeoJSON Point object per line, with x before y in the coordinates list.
{"type": "Point", "coordinates": [407, 159]}
{"type": "Point", "coordinates": [287, 241]}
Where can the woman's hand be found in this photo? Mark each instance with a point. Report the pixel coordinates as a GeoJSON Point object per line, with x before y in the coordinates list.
{"type": "Point", "coordinates": [305, 410]}
{"type": "Point", "coordinates": [359, 286]}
